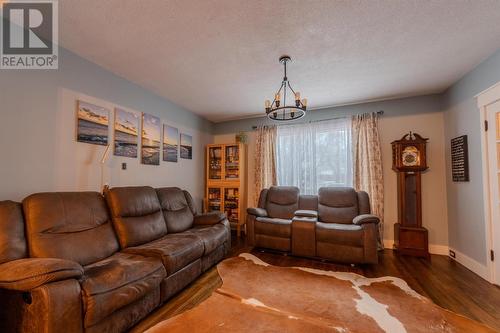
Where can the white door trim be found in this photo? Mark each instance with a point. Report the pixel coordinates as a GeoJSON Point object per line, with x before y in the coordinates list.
{"type": "Point", "coordinates": [485, 98]}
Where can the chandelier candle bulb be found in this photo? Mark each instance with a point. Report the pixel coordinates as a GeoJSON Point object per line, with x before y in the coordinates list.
{"type": "Point", "coordinates": [304, 102]}
{"type": "Point", "coordinates": [268, 104]}
{"type": "Point", "coordinates": [297, 96]}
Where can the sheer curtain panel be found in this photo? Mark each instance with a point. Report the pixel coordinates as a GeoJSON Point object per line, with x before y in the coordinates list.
{"type": "Point", "coordinates": [315, 154]}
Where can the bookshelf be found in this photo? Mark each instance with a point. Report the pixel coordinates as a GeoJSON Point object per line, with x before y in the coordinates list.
{"type": "Point", "coordinates": [226, 182]}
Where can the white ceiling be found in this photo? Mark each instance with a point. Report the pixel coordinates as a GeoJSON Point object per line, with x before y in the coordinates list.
{"type": "Point", "coordinates": [219, 58]}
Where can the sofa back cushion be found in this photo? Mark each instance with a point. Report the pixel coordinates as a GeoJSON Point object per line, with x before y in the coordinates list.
{"type": "Point", "coordinates": [364, 203]}
{"type": "Point", "coordinates": [308, 202]}
{"type": "Point", "coordinates": [282, 201]}
{"type": "Point", "coordinates": [337, 204]}
{"type": "Point", "coordinates": [177, 207]}
{"type": "Point", "coordinates": [71, 225]}
{"type": "Point", "coordinates": [136, 214]}
{"type": "Point", "coordinates": [262, 198]}
{"type": "Point", "coordinates": [12, 240]}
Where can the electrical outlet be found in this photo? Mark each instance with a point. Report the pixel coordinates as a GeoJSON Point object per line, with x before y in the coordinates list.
{"type": "Point", "coordinates": [452, 254]}
{"type": "Point", "coordinates": [124, 166]}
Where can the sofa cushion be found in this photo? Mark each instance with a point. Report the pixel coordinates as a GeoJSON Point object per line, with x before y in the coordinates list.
{"type": "Point", "coordinates": [342, 234]}
{"type": "Point", "coordinates": [137, 215]}
{"type": "Point", "coordinates": [308, 202]}
{"type": "Point", "coordinates": [364, 203]}
{"type": "Point", "coordinates": [175, 250]}
{"type": "Point", "coordinates": [177, 210]}
{"type": "Point", "coordinates": [282, 201]}
{"type": "Point", "coordinates": [12, 240]}
{"type": "Point", "coordinates": [72, 225]}
{"type": "Point", "coordinates": [117, 281]}
{"type": "Point", "coordinates": [273, 227]}
{"type": "Point", "coordinates": [211, 236]}
{"type": "Point", "coordinates": [337, 204]}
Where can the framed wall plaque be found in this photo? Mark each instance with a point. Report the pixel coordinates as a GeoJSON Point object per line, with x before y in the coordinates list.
{"type": "Point", "coordinates": [460, 159]}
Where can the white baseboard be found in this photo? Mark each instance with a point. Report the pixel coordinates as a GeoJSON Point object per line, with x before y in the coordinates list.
{"type": "Point", "coordinates": [473, 265]}
{"type": "Point", "coordinates": [433, 248]}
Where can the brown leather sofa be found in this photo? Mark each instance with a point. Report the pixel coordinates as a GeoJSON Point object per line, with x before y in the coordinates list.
{"type": "Point", "coordinates": [335, 225]}
{"type": "Point", "coordinates": [79, 262]}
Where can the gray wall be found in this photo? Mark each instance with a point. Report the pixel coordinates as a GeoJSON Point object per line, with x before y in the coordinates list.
{"type": "Point", "coordinates": [37, 132]}
{"type": "Point", "coordinates": [396, 107]}
{"type": "Point", "coordinates": [466, 225]}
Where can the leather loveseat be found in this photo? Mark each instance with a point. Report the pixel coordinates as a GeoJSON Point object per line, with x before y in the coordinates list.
{"type": "Point", "coordinates": [81, 262]}
{"type": "Point", "coordinates": [336, 224]}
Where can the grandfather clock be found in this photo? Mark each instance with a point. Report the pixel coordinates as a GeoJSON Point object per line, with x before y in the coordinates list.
{"type": "Point", "coordinates": [409, 161]}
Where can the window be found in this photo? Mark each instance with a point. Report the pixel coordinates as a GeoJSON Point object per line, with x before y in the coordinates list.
{"type": "Point", "coordinates": [314, 155]}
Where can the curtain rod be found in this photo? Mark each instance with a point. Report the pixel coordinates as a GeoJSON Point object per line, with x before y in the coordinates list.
{"type": "Point", "coordinates": [380, 113]}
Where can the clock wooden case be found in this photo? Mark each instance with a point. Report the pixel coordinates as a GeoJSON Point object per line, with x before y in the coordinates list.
{"type": "Point", "coordinates": [409, 161]}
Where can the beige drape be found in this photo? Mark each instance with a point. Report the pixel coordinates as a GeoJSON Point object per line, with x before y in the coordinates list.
{"type": "Point", "coordinates": [367, 163]}
{"type": "Point", "coordinates": [265, 159]}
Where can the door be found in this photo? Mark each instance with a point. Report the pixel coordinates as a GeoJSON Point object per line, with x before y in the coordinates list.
{"type": "Point", "coordinates": [232, 204]}
{"type": "Point", "coordinates": [232, 163]}
{"type": "Point", "coordinates": [215, 163]}
{"type": "Point", "coordinates": [493, 139]}
{"type": "Point", "coordinates": [214, 199]}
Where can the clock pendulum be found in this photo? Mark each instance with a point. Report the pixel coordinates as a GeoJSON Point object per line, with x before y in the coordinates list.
{"type": "Point", "coordinates": [409, 161]}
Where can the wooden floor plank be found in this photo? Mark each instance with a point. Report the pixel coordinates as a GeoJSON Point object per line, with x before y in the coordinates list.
{"type": "Point", "coordinates": [441, 279]}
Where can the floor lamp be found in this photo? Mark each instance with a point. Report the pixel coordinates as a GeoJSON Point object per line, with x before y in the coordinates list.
{"type": "Point", "coordinates": [103, 162]}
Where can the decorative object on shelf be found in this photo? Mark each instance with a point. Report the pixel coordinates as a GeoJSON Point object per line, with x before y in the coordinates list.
{"type": "Point", "coordinates": [170, 143]}
{"type": "Point", "coordinates": [186, 146]}
{"type": "Point", "coordinates": [460, 159]}
{"type": "Point", "coordinates": [92, 124]}
{"type": "Point", "coordinates": [126, 133]}
{"type": "Point", "coordinates": [281, 111]}
{"type": "Point", "coordinates": [409, 161]}
{"type": "Point", "coordinates": [226, 183]}
{"type": "Point", "coordinates": [151, 137]}
{"type": "Point", "coordinates": [241, 137]}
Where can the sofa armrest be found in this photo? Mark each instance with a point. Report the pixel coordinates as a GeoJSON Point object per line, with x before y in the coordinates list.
{"type": "Point", "coordinates": [209, 218]}
{"type": "Point", "coordinates": [259, 212]}
{"type": "Point", "coordinates": [365, 218]}
{"type": "Point", "coordinates": [306, 213]}
{"type": "Point", "coordinates": [29, 273]}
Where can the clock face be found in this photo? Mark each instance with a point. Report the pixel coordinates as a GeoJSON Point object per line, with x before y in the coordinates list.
{"type": "Point", "coordinates": [410, 156]}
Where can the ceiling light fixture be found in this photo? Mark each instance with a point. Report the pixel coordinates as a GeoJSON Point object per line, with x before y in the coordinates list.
{"type": "Point", "coordinates": [282, 112]}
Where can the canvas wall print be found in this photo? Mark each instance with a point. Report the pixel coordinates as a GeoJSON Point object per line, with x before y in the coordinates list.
{"type": "Point", "coordinates": [92, 124]}
{"type": "Point", "coordinates": [170, 143]}
{"type": "Point", "coordinates": [126, 133]}
{"type": "Point", "coordinates": [151, 133]}
{"type": "Point", "coordinates": [186, 146]}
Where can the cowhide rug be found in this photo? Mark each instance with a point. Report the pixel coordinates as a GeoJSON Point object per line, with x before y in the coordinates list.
{"type": "Point", "coordinates": [257, 297]}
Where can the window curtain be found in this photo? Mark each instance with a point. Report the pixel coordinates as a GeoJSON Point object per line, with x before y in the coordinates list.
{"type": "Point", "coordinates": [367, 163]}
{"type": "Point", "coordinates": [315, 154]}
{"type": "Point", "coordinates": [265, 160]}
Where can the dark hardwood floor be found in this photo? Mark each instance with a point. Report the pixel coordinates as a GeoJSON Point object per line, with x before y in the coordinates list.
{"type": "Point", "coordinates": [447, 283]}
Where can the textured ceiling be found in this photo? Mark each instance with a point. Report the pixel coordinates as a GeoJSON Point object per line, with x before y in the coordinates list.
{"type": "Point", "coordinates": [219, 58]}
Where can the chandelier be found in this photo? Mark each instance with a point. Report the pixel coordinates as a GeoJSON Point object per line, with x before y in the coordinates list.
{"type": "Point", "coordinates": [281, 111]}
